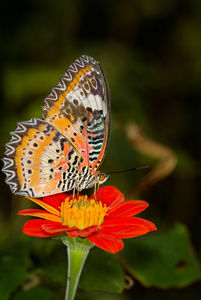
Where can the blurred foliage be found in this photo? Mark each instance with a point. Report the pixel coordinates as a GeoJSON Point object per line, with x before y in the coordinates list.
{"type": "Point", "coordinates": [151, 53]}
{"type": "Point", "coordinates": [164, 260]}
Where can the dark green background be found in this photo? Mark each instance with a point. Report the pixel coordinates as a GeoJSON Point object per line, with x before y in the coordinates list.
{"type": "Point", "coordinates": [151, 53]}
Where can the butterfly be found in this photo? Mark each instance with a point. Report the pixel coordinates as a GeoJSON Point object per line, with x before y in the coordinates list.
{"type": "Point", "coordinates": [64, 150]}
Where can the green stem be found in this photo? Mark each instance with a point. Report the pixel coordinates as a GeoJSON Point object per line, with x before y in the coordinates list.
{"type": "Point", "coordinates": [77, 250]}
{"type": "Point", "coordinates": [76, 260]}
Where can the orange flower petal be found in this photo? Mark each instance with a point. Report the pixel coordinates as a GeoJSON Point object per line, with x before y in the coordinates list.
{"type": "Point", "coordinates": [55, 228]}
{"type": "Point", "coordinates": [124, 227]}
{"type": "Point", "coordinates": [110, 196]}
{"type": "Point", "coordinates": [112, 245]}
{"type": "Point", "coordinates": [33, 228]}
{"type": "Point", "coordinates": [40, 213]}
{"type": "Point", "coordinates": [45, 206]}
{"type": "Point", "coordinates": [83, 233]}
{"type": "Point", "coordinates": [56, 200]}
{"type": "Point", "coordinates": [149, 224]}
{"type": "Point", "coordinates": [127, 209]}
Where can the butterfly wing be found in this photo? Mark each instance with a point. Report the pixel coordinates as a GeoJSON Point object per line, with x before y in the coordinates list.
{"type": "Point", "coordinates": [40, 160]}
{"type": "Point", "coordinates": [79, 108]}
{"type": "Point", "coordinates": [53, 155]}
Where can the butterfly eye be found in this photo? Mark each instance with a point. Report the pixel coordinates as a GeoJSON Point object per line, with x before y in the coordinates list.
{"type": "Point", "coordinates": [103, 177]}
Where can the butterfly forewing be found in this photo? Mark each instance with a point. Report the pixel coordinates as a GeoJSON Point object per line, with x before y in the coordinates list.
{"type": "Point", "coordinates": [65, 150]}
{"type": "Point", "coordinates": [79, 107]}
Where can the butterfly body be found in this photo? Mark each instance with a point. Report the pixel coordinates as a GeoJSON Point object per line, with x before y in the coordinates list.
{"type": "Point", "coordinates": [65, 150]}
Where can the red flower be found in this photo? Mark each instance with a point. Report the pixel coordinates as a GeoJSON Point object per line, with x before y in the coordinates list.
{"type": "Point", "coordinates": [104, 222]}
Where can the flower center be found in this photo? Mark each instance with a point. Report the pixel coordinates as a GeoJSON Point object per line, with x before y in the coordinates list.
{"type": "Point", "coordinates": [82, 212]}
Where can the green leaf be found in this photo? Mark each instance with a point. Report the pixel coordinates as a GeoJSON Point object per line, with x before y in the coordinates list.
{"type": "Point", "coordinates": [102, 271]}
{"type": "Point", "coordinates": [37, 293]}
{"type": "Point", "coordinates": [163, 259]}
{"type": "Point", "coordinates": [12, 274]}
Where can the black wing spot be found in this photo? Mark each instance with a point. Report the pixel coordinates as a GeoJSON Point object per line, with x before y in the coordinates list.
{"type": "Point", "coordinates": [70, 154]}
{"type": "Point", "coordinates": [84, 119]}
{"type": "Point", "coordinates": [59, 184]}
{"type": "Point", "coordinates": [89, 109]}
{"type": "Point", "coordinates": [81, 128]}
{"type": "Point", "coordinates": [62, 141]}
{"type": "Point", "coordinates": [75, 161]}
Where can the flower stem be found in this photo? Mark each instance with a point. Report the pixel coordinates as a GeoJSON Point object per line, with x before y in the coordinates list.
{"type": "Point", "coordinates": [77, 251]}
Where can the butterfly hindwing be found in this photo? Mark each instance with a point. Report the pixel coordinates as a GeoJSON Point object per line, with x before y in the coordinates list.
{"type": "Point", "coordinates": [40, 160]}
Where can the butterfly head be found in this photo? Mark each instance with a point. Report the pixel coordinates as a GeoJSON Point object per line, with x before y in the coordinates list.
{"type": "Point", "coordinates": [102, 177]}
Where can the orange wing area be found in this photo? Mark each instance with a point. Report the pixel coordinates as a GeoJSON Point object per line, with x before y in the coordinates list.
{"type": "Point", "coordinates": [65, 126]}
{"type": "Point", "coordinates": [41, 160]}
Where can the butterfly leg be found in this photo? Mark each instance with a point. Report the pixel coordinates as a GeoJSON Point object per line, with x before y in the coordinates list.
{"type": "Point", "coordinates": [78, 193]}
{"type": "Point", "coordinates": [95, 193]}
{"type": "Point", "coordinates": [101, 193]}
{"type": "Point", "coordinates": [75, 188]}
{"type": "Point", "coordinates": [73, 193]}
{"type": "Point", "coordinates": [96, 187]}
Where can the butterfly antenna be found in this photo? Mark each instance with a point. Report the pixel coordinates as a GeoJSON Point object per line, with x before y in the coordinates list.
{"type": "Point", "coordinates": [132, 169]}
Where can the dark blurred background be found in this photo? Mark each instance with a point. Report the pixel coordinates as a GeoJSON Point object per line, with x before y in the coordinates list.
{"type": "Point", "coordinates": [151, 53]}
